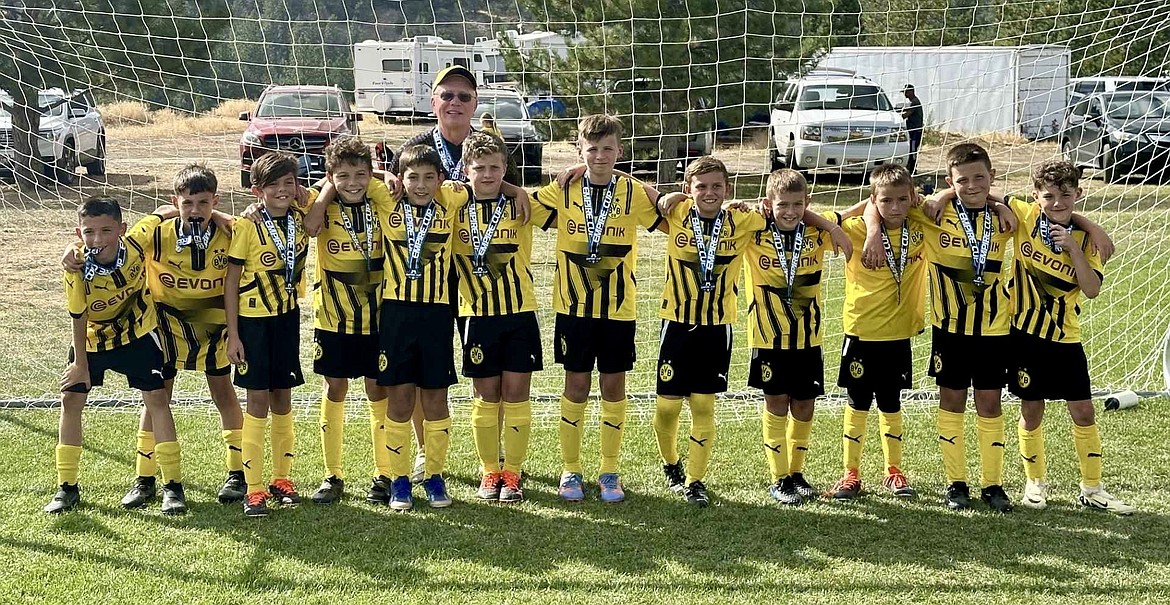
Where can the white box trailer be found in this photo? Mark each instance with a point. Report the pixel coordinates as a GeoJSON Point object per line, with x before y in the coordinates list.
{"type": "Point", "coordinates": [394, 78]}
{"type": "Point", "coordinates": [972, 89]}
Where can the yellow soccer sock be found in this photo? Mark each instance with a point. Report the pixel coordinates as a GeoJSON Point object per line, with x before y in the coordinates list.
{"type": "Point", "coordinates": [775, 450]}
{"type": "Point", "coordinates": [613, 420]}
{"type": "Point", "coordinates": [332, 435]}
{"type": "Point", "coordinates": [282, 445]}
{"type": "Point", "coordinates": [398, 447]}
{"type": "Point", "coordinates": [517, 428]}
{"type": "Point", "coordinates": [571, 431]}
{"type": "Point", "coordinates": [1088, 443]}
{"type": "Point", "coordinates": [666, 413]}
{"type": "Point", "coordinates": [891, 427]}
{"type": "Point", "coordinates": [68, 461]}
{"type": "Point", "coordinates": [438, 440]}
{"type": "Point", "coordinates": [252, 452]}
{"type": "Point", "coordinates": [950, 439]}
{"type": "Point", "coordinates": [798, 434]}
{"type": "Point", "coordinates": [378, 436]}
{"type": "Point", "coordinates": [702, 440]}
{"type": "Point", "coordinates": [232, 440]}
{"type": "Point", "coordinates": [991, 449]}
{"type": "Point", "coordinates": [168, 461]}
{"type": "Point", "coordinates": [485, 429]}
{"type": "Point", "coordinates": [854, 437]}
{"type": "Point", "coordinates": [145, 464]}
{"type": "Point", "coordinates": [1032, 452]}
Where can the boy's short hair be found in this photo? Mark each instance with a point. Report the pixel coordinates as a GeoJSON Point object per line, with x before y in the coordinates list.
{"type": "Point", "coordinates": [599, 125]}
{"type": "Point", "coordinates": [705, 165]}
{"type": "Point", "coordinates": [1056, 172]}
{"type": "Point", "coordinates": [100, 205]}
{"type": "Point", "coordinates": [420, 155]}
{"type": "Point", "coordinates": [966, 153]}
{"type": "Point", "coordinates": [194, 179]}
{"type": "Point", "coordinates": [348, 150]}
{"type": "Point", "coordinates": [786, 180]}
{"type": "Point", "coordinates": [271, 167]}
{"type": "Point", "coordinates": [890, 175]}
{"type": "Point", "coordinates": [480, 144]}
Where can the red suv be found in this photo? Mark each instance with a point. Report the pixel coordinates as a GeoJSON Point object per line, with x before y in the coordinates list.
{"type": "Point", "coordinates": [301, 120]}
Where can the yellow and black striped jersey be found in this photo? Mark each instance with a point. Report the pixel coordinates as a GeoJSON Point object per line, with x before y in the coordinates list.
{"type": "Point", "coordinates": [958, 305]}
{"type": "Point", "coordinates": [347, 282]}
{"type": "Point", "coordinates": [1045, 294]}
{"type": "Point", "coordinates": [117, 307]}
{"type": "Point", "coordinates": [778, 320]}
{"type": "Point", "coordinates": [262, 283]}
{"type": "Point", "coordinates": [507, 285]}
{"type": "Point", "coordinates": [683, 298]}
{"type": "Point", "coordinates": [876, 307]}
{"type": "Point", "coordinates": [187, 283]}
{"type": "Point", "coordinates": [606, 289]}
{"type": "Point", "coordinates": [435, 256]}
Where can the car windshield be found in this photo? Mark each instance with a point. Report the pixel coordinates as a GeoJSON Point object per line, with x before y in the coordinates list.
{"type": "Point", "coordinates": [843, 96]}
{"type": "Point", "coordinates": [1147, 106]}
{"type": "Point", "coordinates": [300, 105]}
{"type": "Point", "coordinates": [502, 108]}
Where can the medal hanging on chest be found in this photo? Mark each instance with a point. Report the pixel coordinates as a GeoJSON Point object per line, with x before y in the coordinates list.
{"type": "Point", "coordinates": [896, 268]}
{"type": "Point", "coordinates": [1046, 234]}
{"type": "Point", "coordinates": [93, 268]}
{"type": "Point", "coordinates": [193, 235]}
{"type": "Point", "coordinates": [707, 247]}
{"type": "Point", "coordinates": [790, 266]}
{"type": "Point", "coordinates": [979, 247]}
{"type": "Point", "coordinates": [453, 168]}
{"type": "Point", "coordinates": [287, 249]}
{"type": "Point", "coordinates": [595, 223]}
{"type": "Point", "coordinates": [368, 218]}
{"type": "Point", "coordinates": [416, 236]}
{"type": "Point", "coordinates": [482, 240]}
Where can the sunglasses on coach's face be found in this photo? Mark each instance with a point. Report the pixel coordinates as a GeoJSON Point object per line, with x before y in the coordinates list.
{"type": "Point", "coordinates": [464, 97]}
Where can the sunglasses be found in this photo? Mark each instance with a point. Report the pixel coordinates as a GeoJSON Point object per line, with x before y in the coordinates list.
{"type": "Point", "coordinates": [464, 97]}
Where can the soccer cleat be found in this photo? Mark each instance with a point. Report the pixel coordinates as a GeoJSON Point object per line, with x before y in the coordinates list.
{"type": "Point", "coordinates": [379, 492]}
{"type": "Point", "coordinates": [489, 486]}
{"type": "Point", "coordinates": [957, 496]}
{"type": "Point", "coordinates": [1035, 494]}
{"type": "Point", "coordinates": [331, 490]}
{"type": "Point", "coordinates": [676, 479]}
{"type": "Point", "coordinates": [67, 498]}
{"type": "Point", "coordinates": [784, 491]}
{"type": "Point", "coordinates": [234, 488]}
{"type": "Point", "coordinates": [847, 487]}
{"type": "Point", "coordinates": [802, 487]}
{"type": "Point", "coordinates": [570, 489]}
{"type": "Point", "coordinates": [696, 494]}
{"type": "Point", "coordinates": [140, 493]}
{"type": "Point", "coordinates": [284, 491]}
{"type": "Point", "coordinates": [256, 504]}
{"type": "Point", "coordinates": [896, 481]}
{"type": "Point", "coordinates": [511, 492]}
{"type": "Point", "coordinates": [611, 488]}
{"type": "Point", "coordinates": [419, 472]}
{"type": "Point", "coordinates": [174, 501]}
{"type": "Point", "coordinates": [436, 490]}
{"type": "Point", "coordinates": [1097, 497]}
{"type": "Point", "coordinates": [996, 498]}
{"type": "Point", "coordinates": [400, 498]}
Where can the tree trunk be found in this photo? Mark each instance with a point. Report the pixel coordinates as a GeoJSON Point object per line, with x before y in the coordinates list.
{"type": "Point", "coordinates": [668, 158]}
{"type": "Point", "coordinates": [29, 170]}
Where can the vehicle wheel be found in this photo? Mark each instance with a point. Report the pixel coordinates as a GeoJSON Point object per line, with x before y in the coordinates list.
{"type": "Point", "coordinates": [246, 179]}
{"type": "Point", "coordinates": [1109, 166]}
{"type": "Point", "coordinates": [1066, 151]}
{"type": "Point", "coordinates": [774, 162]}
{"type": "Point", "coordinates": [97, 166]}
{"type": "Point", "coordinates": [66, 166]}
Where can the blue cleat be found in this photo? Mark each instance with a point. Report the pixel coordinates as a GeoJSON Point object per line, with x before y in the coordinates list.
{"type": "Point", "coordinates": [611, 488]}
{"type": "Point", "coordinates": [570, 488]}
{"type": "Point", "coordinates": [436, 490]}
{"type": "Point", "coordinates": [400, 498]}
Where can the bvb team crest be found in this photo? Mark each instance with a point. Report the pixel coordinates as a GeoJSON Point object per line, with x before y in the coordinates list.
{"type": "Point", "coordinates": [242, 368]}
{"type": "Point", "coordinates": [766, 372]}
{"type": "Point", "coordinates": [936, 362]}
{"type": "Point", "coordinates": [476, 355]}
{"type": "Point", "coordinates": [564, 346]}
{"type": "Point", "coordinates": [856, 370]}
{"type": "Point", "coordinates": [382, 361]}
{"type": "Point", "coordinates": [317, 352]}
{"type": "Point", "coordinates": [665, 372]}
{"type": "Point", "coordinates": [1023, 379]}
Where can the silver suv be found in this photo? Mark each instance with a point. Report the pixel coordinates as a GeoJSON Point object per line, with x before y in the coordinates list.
{"type": "Point", "coordinates": [71, 134]}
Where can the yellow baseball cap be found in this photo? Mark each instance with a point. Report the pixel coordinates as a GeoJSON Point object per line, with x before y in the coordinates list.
{"type": "Point", "coordinates": [455, 71]}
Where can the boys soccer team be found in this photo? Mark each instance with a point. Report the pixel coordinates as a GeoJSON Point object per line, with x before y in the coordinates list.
{"type": "Point", "coordinates": [189, 287]}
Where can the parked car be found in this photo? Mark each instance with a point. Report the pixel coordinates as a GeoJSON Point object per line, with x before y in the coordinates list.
{"type": "Point", "coordinates": [1119, 133]}
{"type": "Point", "coordinates": [834, 119]}
{"type": "Point", "coordinates": [1083, 87]}
{"type": "Point", "coordinates": [646, 97]}
{"type": "Point", "coordinates": [301, 120]}
{"type": "Point", "coordinates": [525, 145]}
{"type": "Point", "coordinates": [71, 134]}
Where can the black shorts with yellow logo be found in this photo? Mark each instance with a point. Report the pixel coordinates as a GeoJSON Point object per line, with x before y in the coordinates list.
{"type": "Point", "coordinates": [875, 365]}
{"type": "Point", "coordinates": [140, 361]}
{"type": "Point", "coordinates": [578, 342]}
{"type": "Point", "coordinates": [1044, 369]}
{"type": "Point", "coordinates": [959, 361]}
{"type": "Point", "coordinates": [798, 373]}
{"type": "Point", "coordinates": [337, 355]}
{"type": "Point", "coordinates": [415, 345]}
{"type": "Point", "coordinates": [496, 344]}
{"type": "Point", "coordinates": [693, 358]}
{"type": "Point", "coordinates": [272, 355]}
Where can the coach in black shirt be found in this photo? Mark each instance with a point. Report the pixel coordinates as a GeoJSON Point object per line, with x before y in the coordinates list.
{"type": "Point", "coordinates": [912, 113]}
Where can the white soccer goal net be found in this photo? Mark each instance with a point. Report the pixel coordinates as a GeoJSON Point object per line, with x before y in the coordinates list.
{"type": "Point", "coordinates": [816, 85]}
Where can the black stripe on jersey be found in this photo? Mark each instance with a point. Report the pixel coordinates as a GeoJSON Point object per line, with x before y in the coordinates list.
{"type": "Point", "coordinates": [263, 291]}
{"type": "Point", "coordinates": [119, 279]}
{"type": "Point", "coordinates": [133, 244]}
{"type": "Point", "coordinates": [773, 317]}
{"type": "Point", "coordinates": [192, 340]}
{"type": "Point", "coordinates": [552, 220]}
{"type": "Point", "coordinates": [165, 331]}
{"type": "Point", "coordinates": [359, 318]}
{"type": "Point", "coordinates": [331, 292]}
{"type": "Point", "coordinates": [157, 247]}
{"type": "Point", "coordinates": [514, 289]}
{"type": "Point", "coordinates": [813, 325]}
{"type": "Point", "coordinates": [977, 312]}
{"type": "Point", "coordinates": [213, 341]}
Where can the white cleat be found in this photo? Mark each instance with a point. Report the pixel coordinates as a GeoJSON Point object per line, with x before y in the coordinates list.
{"type": "Point", "coordinates": [1097, 497]}
{"type": "Point", "coordinates": [1035, 494]}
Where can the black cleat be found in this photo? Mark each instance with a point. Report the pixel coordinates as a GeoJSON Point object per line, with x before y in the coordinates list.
{"type": "Point", "coordinates": [284, 492]}
{"type": "Point", "coordinates": [256, 504]}
{"type": "Point", "coordinates": [675, 477]}
{"type": "Point", "coordinates": [784, 492]}
{"type": "Point", "coordinates": [234, 488]}
{"type": "Point", "coordinates": [330, 491]}
{"type": "Point", "coordinates": [140, 493]}
{"type": "Point", "coordinates": [379, 491]}
{"type": "Point", "coordinates": [174, 502]}
{"type": "Point", "coordinates": [696, 494]}
{"type": "Point", "coordinates": [803, 488]}
{"type": "Point", "coordinates": [958, 496]}
{"type": "Point", "coordinates": [995, 498]}
{"type": "Point", "coordinates": [67, 498]}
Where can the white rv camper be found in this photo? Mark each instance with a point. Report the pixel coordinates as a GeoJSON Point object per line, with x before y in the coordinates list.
{"type": "Point", "coordinates": [394, 78]}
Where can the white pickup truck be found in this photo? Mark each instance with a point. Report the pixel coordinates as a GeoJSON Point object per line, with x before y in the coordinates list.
{"type": "Point", "coordinates": [71, 134]}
